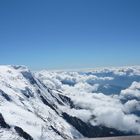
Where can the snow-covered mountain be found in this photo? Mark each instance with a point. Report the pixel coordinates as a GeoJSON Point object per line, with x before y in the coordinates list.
{"type": "Point", "coordinates": [59, 105]}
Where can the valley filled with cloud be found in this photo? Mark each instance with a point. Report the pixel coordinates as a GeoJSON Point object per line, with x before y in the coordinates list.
{"type": "Point", "coordinates": [108, 96]}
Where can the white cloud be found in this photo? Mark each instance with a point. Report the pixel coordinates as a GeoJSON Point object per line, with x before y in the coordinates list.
{"type": "Point", "coordinates": [132, 92]}
{"type": "Point", "coordinates": [108, 109]}
{"type": "Point", "coordinates": [132, 106]}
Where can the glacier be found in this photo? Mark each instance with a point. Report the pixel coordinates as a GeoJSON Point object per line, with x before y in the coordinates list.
{"type": "Point", "coordinates": [58, 105]}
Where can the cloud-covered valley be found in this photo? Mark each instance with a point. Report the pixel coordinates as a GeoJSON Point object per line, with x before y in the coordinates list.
{"type": "Point", "coordinates": [109, 97]}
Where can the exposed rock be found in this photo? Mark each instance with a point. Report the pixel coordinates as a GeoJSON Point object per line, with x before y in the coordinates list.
{"type": "Point", "coordinates": [22, 133]}
{"type": "Point", "coordinates": [90, 131]}
{"type": "Point", "coordinates": [3, 124]}
{"type": "Point", "coordinates": [5, 95]}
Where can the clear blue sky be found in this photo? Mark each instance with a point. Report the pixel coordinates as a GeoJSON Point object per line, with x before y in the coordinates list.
{"type": "Point", "coordinates": [65, 34]}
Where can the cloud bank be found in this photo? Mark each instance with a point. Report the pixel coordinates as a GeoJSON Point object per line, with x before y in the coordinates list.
{"type": "Point", "coordinates": [109, 97]}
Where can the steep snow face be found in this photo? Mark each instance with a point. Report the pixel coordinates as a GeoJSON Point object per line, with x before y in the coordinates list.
{"type": "Point", "coordinates": [68, 105]}
{"type": "Point", "coordinates": [27, 103]}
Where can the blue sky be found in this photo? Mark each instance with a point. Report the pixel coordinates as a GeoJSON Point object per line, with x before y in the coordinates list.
{"type": "Point", "coordinates": [68, 34]}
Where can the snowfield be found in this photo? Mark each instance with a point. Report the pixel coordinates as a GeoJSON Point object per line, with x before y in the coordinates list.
{"type": "Point", "coordinates": [57, 105]}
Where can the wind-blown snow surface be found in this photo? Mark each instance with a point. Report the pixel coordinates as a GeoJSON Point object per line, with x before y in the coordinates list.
{"type": "Point", "coordinates": [60, 105]}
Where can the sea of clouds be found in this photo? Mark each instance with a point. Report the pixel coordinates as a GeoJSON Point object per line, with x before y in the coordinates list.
{"type": "Point", "coordinates": [108, 96]}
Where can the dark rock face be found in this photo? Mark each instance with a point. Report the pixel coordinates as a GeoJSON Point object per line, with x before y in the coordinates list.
{"type": "Point", "coordinates": [27, 92]}
{"type": "Point", "coordinates": [56, 131]}
{"type": "Point", "coordinates": [3, 124]}
{"type": "Point", "coordinates": [90, 131]}
{"type": "Point", "coordinates": [22, 133]}
{"type": "Point", "coordinates": [29, 77]}
{"type": "Point", "coordinates": [51, 93]}
{"type": "Point", "coordinates": [5, 95]}
{"type": "Point", "coordinates": [52, 106]}
{"type": "Point", "coordinates": [67, 100]}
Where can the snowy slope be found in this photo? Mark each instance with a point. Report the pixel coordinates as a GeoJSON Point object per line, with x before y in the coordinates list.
{"type": "Point", "coordinates": [65, 105]}
{"type": "Point", "coordinates": [21, 105]}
